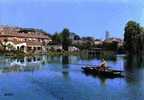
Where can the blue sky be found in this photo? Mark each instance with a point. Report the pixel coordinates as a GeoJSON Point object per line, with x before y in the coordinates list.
{"type": "Point", "coordinates": [84, 17]}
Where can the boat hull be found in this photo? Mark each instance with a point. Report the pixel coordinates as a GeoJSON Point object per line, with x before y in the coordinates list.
{"type": "Point", "coordinates": [107, 73]}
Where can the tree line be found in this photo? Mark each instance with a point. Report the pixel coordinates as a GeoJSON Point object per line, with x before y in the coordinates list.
{"type": "Point", "coordinates": [66, 38]}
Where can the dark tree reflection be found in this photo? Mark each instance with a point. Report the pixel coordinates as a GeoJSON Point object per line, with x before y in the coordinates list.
{"type": "Point", "coordinates": [133, 68]}
{"type": "Point", "coordinates": [65, 65]}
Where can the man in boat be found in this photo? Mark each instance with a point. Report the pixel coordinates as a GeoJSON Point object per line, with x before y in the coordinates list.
{"type": "Point", "coordinates": [103, 65]}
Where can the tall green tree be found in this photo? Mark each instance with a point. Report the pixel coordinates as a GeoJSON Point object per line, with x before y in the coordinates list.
{"type": "Point", "coordinates": [56, 38]}
{"type": "Point", "coordinates": [65, 37]}
{"type": "Point", "coordinates": [132, 30]}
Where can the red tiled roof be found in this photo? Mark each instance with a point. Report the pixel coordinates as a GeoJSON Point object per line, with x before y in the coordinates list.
{"type": "Point", "coordinates": [25, 35]}
{"type": "Point", "coordinates": [6, 31]}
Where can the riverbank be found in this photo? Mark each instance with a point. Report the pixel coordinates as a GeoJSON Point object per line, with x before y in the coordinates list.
{"type": "Point", "coordinates": [49, 53]}
{"type": "Point", "coordinates": [108, 55]}
{"type": "Point", "coordinates": [63, 53]}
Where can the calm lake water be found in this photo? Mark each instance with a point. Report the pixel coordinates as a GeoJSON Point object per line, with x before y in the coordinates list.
{"type": "Point", "coordinates": [61, 78]}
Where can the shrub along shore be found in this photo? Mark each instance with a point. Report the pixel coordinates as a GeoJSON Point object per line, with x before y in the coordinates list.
{"type": "Point", "coordinates": [49, 53]}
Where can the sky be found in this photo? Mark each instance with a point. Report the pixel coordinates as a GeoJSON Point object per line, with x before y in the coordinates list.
{"type": "Point", "coordinates": [84, 17]}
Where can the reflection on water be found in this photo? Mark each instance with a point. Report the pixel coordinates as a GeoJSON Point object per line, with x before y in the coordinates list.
{"type": "Point", "coordinates": [61, 78]}
{"type": "Point", "coordinates": [103, 80]}
{"type": "Point", "coordinates": [134, 67]}
{"type": "Point", "coordinates": [8, 64]}
{"type": "Point", "coordinates": [65, 66]}
{"type": "Point", "coordinates": [108, 55]}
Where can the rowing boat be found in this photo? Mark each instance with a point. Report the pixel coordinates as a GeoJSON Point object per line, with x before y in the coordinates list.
{"type": "Point", "coordinates": [109, 73]}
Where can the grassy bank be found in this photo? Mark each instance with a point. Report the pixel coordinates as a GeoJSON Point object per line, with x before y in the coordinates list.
{"type": "Point", "coordinates": [49, 53]}
{"type": "Point", "coordinates": [64, 53]}
{"type": "Point", "coordinates": [16, 54]}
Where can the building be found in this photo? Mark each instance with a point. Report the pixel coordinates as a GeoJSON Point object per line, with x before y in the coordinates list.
{"type": "Point", "coordinates": [98, 42]}
{"type": "Point", "coordinates": [107, 35]}
{"type": "Point", "coordinates": [119, 41]}
{"type": "Point", "coordinates": [24, 39]}
{"type": "Point", "coordinates": [73, 49]}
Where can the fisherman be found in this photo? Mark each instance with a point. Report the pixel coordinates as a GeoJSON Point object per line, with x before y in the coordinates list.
{"type": "Point", "coordinates": [103, 65]}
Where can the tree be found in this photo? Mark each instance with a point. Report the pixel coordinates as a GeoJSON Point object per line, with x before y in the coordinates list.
{"type": "Point", "coordinates": [3, 43]}
{"type": "Point", "coordinates": [10, 47]}
{"type": "Point", "coordinates": [76, 37]}
{"type": "Point", "coordinates": [65, 34]}
{"type": "Point", "coordinates": [56, 38]}
{"type": "Point", "coordinates": [111, 46]}
{"type": "Point", "coordinates": [88, 38]}
{"type": "Point", "coordinates": [132, 30]}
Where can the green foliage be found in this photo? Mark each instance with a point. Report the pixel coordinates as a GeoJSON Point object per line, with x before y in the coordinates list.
{"type": "Point", "coordinates": [62, 38]}
{"type": "Point", "coordinates": [3, 44]}
{"type": "Point", "coordinates": [132, 30]}
{"type": "Point", "coordinates": [64, 53]}
{"type": "Point", "coordinates": [111, 46]}
{"type": "Point", "coordinates": [65, 38]}
{"type": "Point", "coordinates": [10, 47]}
{"type": "Point", "coordinates": [56, 38]}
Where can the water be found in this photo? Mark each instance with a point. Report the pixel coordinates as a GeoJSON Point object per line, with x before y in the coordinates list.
{"type": "Point", "coordinates": [61, 78]}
